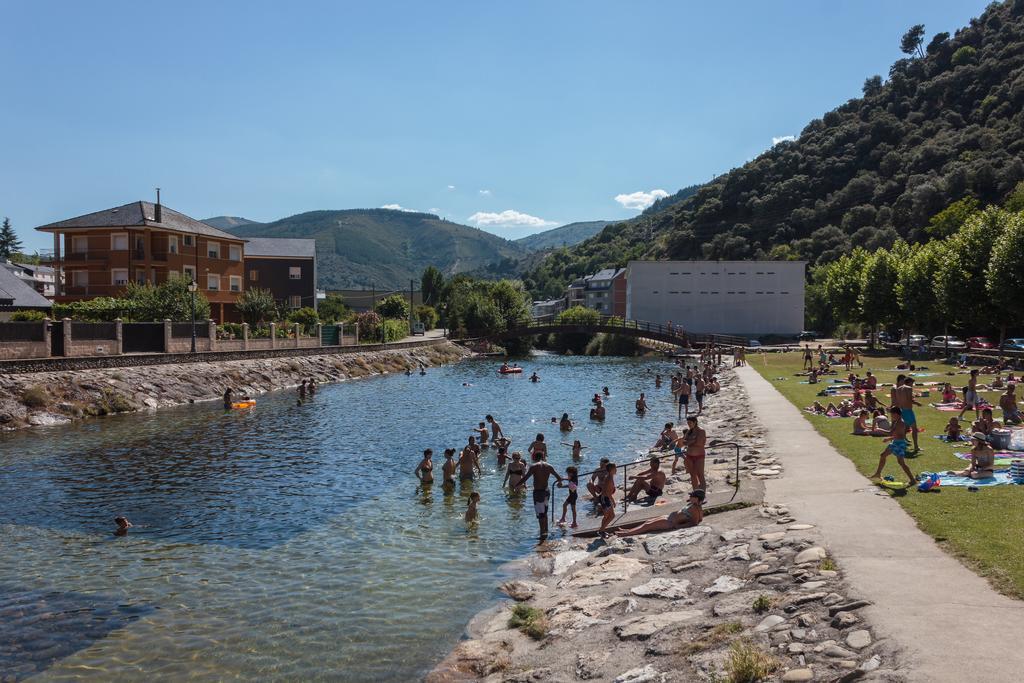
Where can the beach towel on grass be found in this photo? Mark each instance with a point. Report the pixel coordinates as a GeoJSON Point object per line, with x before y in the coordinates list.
{"type": "Point", "coordinates": [821, 414]}
{"type": "Point", "coordinates": [1003, 458]}
{"type": "Point", "coordinates": [949, 480]}
{"type": "Point", "coordinates": [962, 438]}
{"type": "Point", "coordinates": [955, 406]}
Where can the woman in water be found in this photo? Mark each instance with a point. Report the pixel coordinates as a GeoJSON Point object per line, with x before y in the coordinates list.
{"type": "Point", "coordinates": [425, 470]}
{"type": "Point", "coordinates": [516, 470]}
{"type": "Point", "coordinates": [565, 424]}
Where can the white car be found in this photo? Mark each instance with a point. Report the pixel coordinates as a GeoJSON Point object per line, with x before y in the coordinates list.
{"type": "Point", "coordinates": [942, 342]}
{"type": "Point", "coordinates": [918, 339]}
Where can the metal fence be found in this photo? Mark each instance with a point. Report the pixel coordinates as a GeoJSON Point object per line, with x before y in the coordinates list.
{"type": "Point", "coordinates": [21, 331]}
{"type": "Point", "coordinates": [93, 330]}
{"type": "Point", "coordinates": [184, 330]}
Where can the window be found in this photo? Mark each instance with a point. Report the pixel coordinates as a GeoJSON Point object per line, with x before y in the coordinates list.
{"type": "Point", "coordinates": [213, 249]}
{"type": "Point", "coordinates": [172, 244]}
{"type": "Point", "coordinates": [187, 240]}
{"type": "Point", "coordinates": [119, 241]}
{"type": "Point", "coordinates": [189, 273]}
{"type": "Point", "coordinates": [118, 276]}
{"type": "Point", "coordinates": [294, 272]}
{"type": "Point", "coordinates": [213, 282]}
{"type": "Point", "coordinates": [254, 275]}
{"type": "Point", "coordinates": [80, 278]}
{"type": "Point", "coordinates": [80, 245]}
{"type": "Point", "coordinates": [234, 252]}
{"type": "Point", "coordinates": [236, 283]}
{"type": "Point", "coordinates": [295, 301]}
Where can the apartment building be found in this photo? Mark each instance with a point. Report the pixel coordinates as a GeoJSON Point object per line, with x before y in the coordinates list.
{"type": "Point", "coordinates": [99, 253]}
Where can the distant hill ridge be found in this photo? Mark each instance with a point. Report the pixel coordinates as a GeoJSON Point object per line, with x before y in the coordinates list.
{"type": "Point", "coordinates": [562, 236]}
{"type": "Point", "coordinates": [228, 222]}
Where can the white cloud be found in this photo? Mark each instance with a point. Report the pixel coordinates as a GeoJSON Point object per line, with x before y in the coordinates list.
{"type": "Point", "coordinates": [638, 201]}
{"type": "Point", "coordinates": [398, 207]}
{"type": "Point", "coordinates": [783, 138]}
{"type": "Point", "coordinates": [509, 219]}
{"type": "Point", "coordinates": [451, 187]}
{"type": "Point", "coordinates": [485, 193]}
{"type": "Point", "coordinates": [435, 210]}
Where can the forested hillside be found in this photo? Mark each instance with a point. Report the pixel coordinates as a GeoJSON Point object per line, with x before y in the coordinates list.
{"type": "Point", "coordinates": [947, 123]}
{"type": "Point", "coordinates": [562, 236]}
{"type": "Point", "coordinates": [386, 248]}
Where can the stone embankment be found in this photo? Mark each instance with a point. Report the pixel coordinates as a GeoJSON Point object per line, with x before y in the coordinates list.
{"type": "Point", "coordinates": [750, 594]}
{"type": "Point", "coordinates": [48, 398]}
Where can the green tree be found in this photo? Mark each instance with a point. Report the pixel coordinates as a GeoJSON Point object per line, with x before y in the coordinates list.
{"type": "Point", "coordinates": [910, 44]}
{"type": "Point", "coordinates": [1004, 277]}
{"type": "Point", "coordinates": [169, 300]}
{"type": "Point", "coordinates": [394, 306]}
{"type": "Point", "coordinates": [964, 55]}
{"type": "Point", "coordinates": [9, 242]}
{"type": "Point", "coordinates": [1015, 202]}
{"type": "Point", "coordinates": [878, 304]}
{"type": "Point", "coordinates": [948, 221]}
{"type": "Point", "coordinates": [432, 286]}
{"type": "Point", "coordinates": [872, 86]}
{"type": "Point", "coordinates": [574, 342]}
{"type": "Point", "coordinates": [842, 285]}
{"type": "Point", "coordinates": [427, 315]}
{"type": "Point", "coordinates": [915, 288]}
{"type": "Point", "coordinates": [257, 306]}
{"type": "Point", "coordinates": [960, 277]}
{"type": "Point", "coordinates": [307, 317]}
{"type": "Point", "coordinates": [332, 308]}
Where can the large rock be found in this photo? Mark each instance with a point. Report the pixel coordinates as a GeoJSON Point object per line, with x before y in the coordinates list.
{"type": "Point", "coordinates": [606, 570]}
{"type": "Point", "coordinates": [477, 658]}
{"type": "Point", "coordinates": [735, 603]}
{"type": "Point", "coordinates": [814, 554]}
{"type": "Point", "coordinates": [643, 628]}
{"type": "Point", "coordinates": [858, 639]}
{"type": "Point", "coordinates": [798, 675]}
{"type": "Point", "coordinates": [724, 584]}
{"type": "Point", "coordinates": [663, 543]}
{"type": "Point", "coordinates": [566, 559]}
{"type": "Point", "coordinates": [644, 674]}
{"type": "Point", "coordinates": [672, 589]}
{"type": "Point", "coordinates": [521, 590]}
{"type": "Point", "coordinates": [769, 622]}
{"type": "Point", "coordinates": [772, 536]}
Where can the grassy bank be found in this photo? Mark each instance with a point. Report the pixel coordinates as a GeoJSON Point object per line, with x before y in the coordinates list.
{"type": "Point", "coordinates": [985, 529]}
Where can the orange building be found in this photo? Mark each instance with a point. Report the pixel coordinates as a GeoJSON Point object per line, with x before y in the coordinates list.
{"type": "Point", "coordinates": [99, 253]}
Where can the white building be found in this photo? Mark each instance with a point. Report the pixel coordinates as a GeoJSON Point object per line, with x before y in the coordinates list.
{"type": "Point", "coordinates": [724, 297]}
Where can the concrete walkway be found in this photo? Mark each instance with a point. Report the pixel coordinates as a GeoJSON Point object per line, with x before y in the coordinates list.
{"type": "Point", "coordinates": [951, 624]}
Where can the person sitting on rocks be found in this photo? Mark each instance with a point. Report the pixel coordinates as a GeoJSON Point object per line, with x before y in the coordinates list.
{"type": "Point", "coordinates": [597, 480]}
{"type": "Point", "coordinates": [691, 515]}
{"type": "Point", "coordinates": [651, 481]}
{"type": "Point", "coordinates": [666, 438]}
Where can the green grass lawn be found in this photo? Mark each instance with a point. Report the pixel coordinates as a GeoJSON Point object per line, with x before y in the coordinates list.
{"type": "Point", "coordinates": [985, 529]}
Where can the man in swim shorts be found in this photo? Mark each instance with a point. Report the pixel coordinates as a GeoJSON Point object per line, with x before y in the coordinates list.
{"type": "Point", "coordinates": [449, 467]}
{"type": "Point", "coordinates": [495, 428]}
{"type": "Point", "coordinates": [469, 460]}
{"type": "Point", "coordinates": [903, 398]}
{"type": "Point", "coordinates": [897, 445]}
{"type": "Point", "coordinates": [651, 481]}
{"type": "Point", "coordinates": [607, 499]}
{"type": "Point", "coordinates": [1008, 402]}
{"type": "Point", "coordinates": [540, 471]}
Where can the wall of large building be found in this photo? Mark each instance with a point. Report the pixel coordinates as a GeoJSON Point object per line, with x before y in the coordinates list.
{"type": "Point", "coordinates": [726, 297]}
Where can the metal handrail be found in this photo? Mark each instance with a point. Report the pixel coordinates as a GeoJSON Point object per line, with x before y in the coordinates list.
{"type": "Point", "coordinates": [675, 331]}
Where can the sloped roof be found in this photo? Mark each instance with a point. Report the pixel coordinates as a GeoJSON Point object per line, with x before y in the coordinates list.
{"type": "Point", "coordinates": [280, 247]}
{"type": "Point", "coordinates": [139, 214]}
{"type": "Point", "coordinates": [24, 296]}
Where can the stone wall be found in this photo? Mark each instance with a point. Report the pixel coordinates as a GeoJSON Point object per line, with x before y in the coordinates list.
{"type": "Point", "coordinates": [23, 349]}
{"type": "Point", "coordinates": [71, 389]}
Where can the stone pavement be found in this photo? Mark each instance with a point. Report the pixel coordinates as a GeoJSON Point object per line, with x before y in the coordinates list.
{"type": "Point", "coordinates": [951, 624]}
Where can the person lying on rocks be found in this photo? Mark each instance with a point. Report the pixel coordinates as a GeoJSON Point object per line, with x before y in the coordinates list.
{"type": "Point", "coordinates": [651, 481]}
{"type": "Point", "coordinates": [691, 515]}
{"type": "Point", "coordinates": [983, 459]}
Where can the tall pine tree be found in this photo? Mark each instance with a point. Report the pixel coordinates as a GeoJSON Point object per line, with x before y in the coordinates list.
{"type": "Point", "coordinates": [9, 242]}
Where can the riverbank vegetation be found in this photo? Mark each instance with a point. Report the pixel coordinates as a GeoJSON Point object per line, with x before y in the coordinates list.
{"type": "Point", "coordinates": [982, 528]}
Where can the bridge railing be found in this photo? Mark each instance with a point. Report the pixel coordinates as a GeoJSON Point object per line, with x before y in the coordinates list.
{"type": "Point", "coordinates": [677, 333]}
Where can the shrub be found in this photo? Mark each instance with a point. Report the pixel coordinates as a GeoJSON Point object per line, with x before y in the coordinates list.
{"type": "Point", "coordinates": [114, 402]}
{"type": "Point", "coordinates": [395, 306]}
{"type": "Point", "coordinates": [427, 315]}
{"type": "Point", "coordinates": [257, 306]}
{"type": "Point", "coordinates": [332, 308]}
{"type": "Point", "coordinates": [395, 330]}
{"type": "Point", "coordinates": [712, 638]}
{"type": "Point", "coordinates": [229, 331]}
{"type": "Point", "coordinates": [748, 663]}
{"type": "Point", "coordinates": [828, 565]}
{"type": "Point", "coordinates": [762, 603]}
{"type": "Point", "coordinates": [28, 316]}
{"type": "Point", "coordinates": [574, 342]}
{"type": "Point", "coordinates": [35, 397]}
{"type": "Point", "coordinates": [530, 621]}
{"type": "Point", "coordinates": [307, 317]}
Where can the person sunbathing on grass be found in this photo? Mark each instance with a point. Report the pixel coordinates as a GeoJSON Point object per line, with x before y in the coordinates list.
{"type": "Point", "coordinates": [983, 459]}
{"type": "Point", "coordinates": [952, 429]}
{"type": "Point", "coordinates": [948, 395]}
{"type": "Point", "coordinates": [860, 423]}
{"type": "Point", "coordinates": [691, 515]}
{"type": "Point", "coordinates": [816, 408]}
{"type": "Point", "coordinates": [985, 424]}
{"type": "Point", "coordinates": [880, 425]}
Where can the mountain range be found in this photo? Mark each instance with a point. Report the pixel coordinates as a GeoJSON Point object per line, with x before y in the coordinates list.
{"type": "Point", "coordinates": [944, 126]}
{"type": "Point", "coordinates": [385, 248]}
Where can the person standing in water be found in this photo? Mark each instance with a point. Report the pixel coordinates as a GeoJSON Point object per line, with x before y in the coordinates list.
{"type": "Point", "coordinates": [496, 432]}
{"type": "Point", "coordinates": [502, 457]}
{"type": "Point", "coordinates": [449, 467]}
{"type": "Point", "coordinates": [538, 446]}
{"type": "Point", "coordinates": [482, 434]}
{"type": "Point", "coordinates": [540, 471]}
{"type": "Point", "coordinates": [471, 510]}
{"type": "Point", "coordinates": [469, 460]}
{"type": "Point", "coordinates": [565, 424]}
{"type": "Point", "coordinates": [515, 472]}
{"type": "Point", "coordinates": [425, 470]}
{"type": "Point", "coordinates": [227, 398]}
{"type": "Point", "coordinates": [641, 404]}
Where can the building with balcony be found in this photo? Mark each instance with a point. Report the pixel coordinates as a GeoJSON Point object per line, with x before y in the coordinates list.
{"type": "Point", "coordinates": [284, 266]}
{"type": "Point", "coordinates": [99, 253]}
{"type": "Point", "coordinates": [601, 293]}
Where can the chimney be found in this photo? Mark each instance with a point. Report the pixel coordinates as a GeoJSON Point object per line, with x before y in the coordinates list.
{"type": "Point", "coordinates": [157, 211]}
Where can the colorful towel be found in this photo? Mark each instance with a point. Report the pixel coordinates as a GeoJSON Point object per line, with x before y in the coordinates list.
{"type": "Point", "coordinates": [1000, 479]}
{"type": "Point", "coordinates": [821, 414]}
{"type": "Point", "coordinates": [954, 407]}
{"type": "Point", "coordinates": [942, 437]}
{"type": "Point", "coordinates": [1003, 458]}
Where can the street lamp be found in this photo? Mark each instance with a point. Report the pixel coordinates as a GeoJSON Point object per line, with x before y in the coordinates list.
{"type": "Point", "coordinates": [192, 287]}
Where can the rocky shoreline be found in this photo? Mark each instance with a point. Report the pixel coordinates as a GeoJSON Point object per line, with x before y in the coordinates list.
{"type": "Point", "coordinates": [750, 594]}
{"type": "Point", "coordinates": [49, 398]}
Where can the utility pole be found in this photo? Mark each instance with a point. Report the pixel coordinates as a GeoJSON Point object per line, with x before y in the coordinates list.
{"type": "Point", "coordinates": [412, 314]}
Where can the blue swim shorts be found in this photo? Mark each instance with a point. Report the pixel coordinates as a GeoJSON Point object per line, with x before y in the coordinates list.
{"type": "Point", "coordinates": [898, 447]}
{"type": "Point", "coordinates": [908, 416]}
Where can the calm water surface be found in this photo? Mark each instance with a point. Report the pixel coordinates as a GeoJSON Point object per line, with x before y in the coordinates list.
{"type": "Point", "coordinates": [286, 542]}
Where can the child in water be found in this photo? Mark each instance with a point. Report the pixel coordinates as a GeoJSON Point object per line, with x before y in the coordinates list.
{"type": "Point", "coordinates": [572, 481]}
{"type": "Point", "coordinates": [471, 513]}
{"type": "Point", "coordinates": [123, 525]}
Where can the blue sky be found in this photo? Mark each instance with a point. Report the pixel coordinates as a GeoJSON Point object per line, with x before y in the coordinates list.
{"type": "Point", "coordinates": [509, 116]}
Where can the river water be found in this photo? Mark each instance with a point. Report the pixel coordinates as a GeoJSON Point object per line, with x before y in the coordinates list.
{"type": "Point", "coordinates": [289, 541]}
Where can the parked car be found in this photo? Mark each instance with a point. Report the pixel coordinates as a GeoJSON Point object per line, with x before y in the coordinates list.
{"type": "Point", "coordinates": [943, 342]}
{"type": "Point", "coordinates": [883, 337]}
{"type": "Point", "coordinates": [807, 335]}
{"type": "Point", "coordinates": [1015, 344]}
{"type": "Point", "coordinates": [753, 344]}
{"type": "Point", "coordinates": [979, 343]}
{"type": "Point", "coordinates": [917, 340]}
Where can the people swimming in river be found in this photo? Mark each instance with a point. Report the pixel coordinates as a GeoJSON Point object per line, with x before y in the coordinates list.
{"type": "Point", "coordinates": [565, 424]}
{"type": "Point", "coordinates": [471, 509]}
{"type": "Point", "coordinates": [516, 470]}
{"type": "Point", "coordinates": [123, 525]}
{"type": "Point", "coordinates": [482, 435]}
{"type": "Point", "coordinates": [469, 460]}
{"type": "Point", "coordinates": [449, 467]}
{"type": "Point", "coordinates": [496, 432]}
{"type": "Point", "coordinates": [577, 449]}
{"type": "Point", "coordinates": [606, 392]}
{"type": "Point", "coordinates": [538, 446]}
{"type": "Point", "coordinates": [641, 404]}
{"type": "Point", "coordinates": [534, 377]}
{"type": "Point", "coordinates": [425, 470]}
{"type": "Point", "coordinates": [502, 456]}
{"type": "Point", "coordinates": [302, 390]}
{"type": "Point", "coordinates": [572, 479]}
{"type": "Point", "coordinates": [598, 412]}
{"type": "Point", "coordinates": [691, 515]}
{"type": "Point", "coordinates": [312, 386]}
